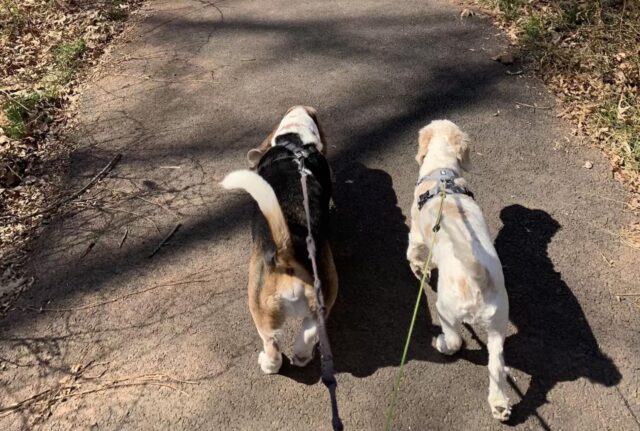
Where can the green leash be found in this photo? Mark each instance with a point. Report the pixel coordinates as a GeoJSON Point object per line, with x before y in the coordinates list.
{"type": "Point", "coordinates": [425, 275]}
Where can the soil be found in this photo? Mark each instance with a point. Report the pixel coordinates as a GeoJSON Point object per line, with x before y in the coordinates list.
{"type": "Point", "coordinates": [187, 91]}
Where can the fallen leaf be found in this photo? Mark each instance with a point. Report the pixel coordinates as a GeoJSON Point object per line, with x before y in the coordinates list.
{"type": "Point", "coordinates": [504, 58]}
{"type": "Point", "coordinates": [466, 13]}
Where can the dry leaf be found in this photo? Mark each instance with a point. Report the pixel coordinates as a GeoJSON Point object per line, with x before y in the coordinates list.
{"type": "Point", "coordinates": [466, 13]}
{"type": "Point", "coordinates": [504, 58]}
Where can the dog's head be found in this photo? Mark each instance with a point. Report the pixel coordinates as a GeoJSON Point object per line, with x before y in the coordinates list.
{"type": "Point", "coordinates": [444, 136]}
{"type": "Point", "coordinates": [299, 119]}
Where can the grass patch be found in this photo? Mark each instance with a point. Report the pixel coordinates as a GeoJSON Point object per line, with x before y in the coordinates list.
{"type": "Point", "coordinates": [587, 53]}
{"type": "Point", "coordinates": [19, 111]}
{"type": "Point", "coordinates": [65, 59]}
{"type": "Point", "coordinates": [533, 28]}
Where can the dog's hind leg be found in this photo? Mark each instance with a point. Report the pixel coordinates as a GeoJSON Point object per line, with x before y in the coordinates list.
{"type": "Point", "coordinates": [270, 359]}
{"type": "Point", "coordinates": [497, 372]}
{"type": "Point", "coordinates": [449, 342]}
{"type": "Point", "coordinates": [416, 253]}
{"type": "Point", "coordinates": [305, 342]}
{"type": "Point", "coordinates": [267, 314]}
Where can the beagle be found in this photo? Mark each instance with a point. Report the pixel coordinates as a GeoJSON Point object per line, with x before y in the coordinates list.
{"type": "Point", "coordinates": [470, 281]}
{"type": "Point", "coordinates": [280, 273]}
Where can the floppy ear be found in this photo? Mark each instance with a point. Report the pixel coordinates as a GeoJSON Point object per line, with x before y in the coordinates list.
{"type": "Point", "coordinates": [314, 116]}
{"type": "Point", "coordinates": [254, 156]}
{"type": "Point", "coordinates": [460, 142]}
{"type": "Point", "coordinates": [424, 137]}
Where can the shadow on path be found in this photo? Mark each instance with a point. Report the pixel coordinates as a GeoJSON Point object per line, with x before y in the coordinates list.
{"type": "Point", "coordinates": [377, 289]}
{"type": "Point", "coordinates": [554, 342]}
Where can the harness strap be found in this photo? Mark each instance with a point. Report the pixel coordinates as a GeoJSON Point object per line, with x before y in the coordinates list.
{"type": "Point", "coordinates": [326, 358]}
{"type": "Point", "coordinates": [446, 177]}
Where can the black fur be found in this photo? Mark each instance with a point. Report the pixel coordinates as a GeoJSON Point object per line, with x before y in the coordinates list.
{"type": "Point", "coordinates": [279, 169]}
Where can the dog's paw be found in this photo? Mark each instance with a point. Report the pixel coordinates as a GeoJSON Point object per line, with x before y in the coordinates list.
{"type": "Point", "coordinates": [298, 361]}
{"type": "Point", "coordinates": [500, 408]}
{"type": "Point", "coordinates": [501, 412]}
{"type": "Point", "coordinates": [267, 365]}
{"type": "Point", "coordinates": [447, 348]}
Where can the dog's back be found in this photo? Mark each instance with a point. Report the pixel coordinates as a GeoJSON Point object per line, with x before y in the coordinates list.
{"type": "Point", "coordinates": [278, 168]}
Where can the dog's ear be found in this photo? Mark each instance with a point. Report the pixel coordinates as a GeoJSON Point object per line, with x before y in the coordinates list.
{"type": "Point", "coordinates": [424, 138]}
{"type": "Point", "coordinates": [312, 112]}
{"type": "Point", "coordinates": [314, 116]}
{"type": "Point", "coordinates": [254, 156]}
{"type": "Point", "coordinates": [460, 142]}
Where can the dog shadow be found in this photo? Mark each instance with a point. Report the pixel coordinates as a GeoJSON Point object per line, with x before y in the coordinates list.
{"type": "Point", "coordinates": [377, 290]}
{"type": "Point", "coordinates": [554, 342]}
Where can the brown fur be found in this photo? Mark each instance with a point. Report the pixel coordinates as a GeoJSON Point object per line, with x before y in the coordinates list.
{"type": "Point", "coordinates": [423, 144]}
{"type": "Point", "coordinates": [463, 288]}
{"type": "Point", "coordinates": [267, 283]}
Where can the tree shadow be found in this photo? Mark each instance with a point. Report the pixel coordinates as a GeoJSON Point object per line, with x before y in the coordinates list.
{"type": "Point", "coordinates": [554, 342]}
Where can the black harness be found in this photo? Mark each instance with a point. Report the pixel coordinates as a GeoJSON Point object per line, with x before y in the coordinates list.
{"type": "Point", "coordinates": [442, 176]}
{"type": "Point", "coordinates": [300, 153]}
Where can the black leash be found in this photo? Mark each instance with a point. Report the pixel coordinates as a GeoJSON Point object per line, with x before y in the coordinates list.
{"type": "Point", "coordinates": [326, 358]}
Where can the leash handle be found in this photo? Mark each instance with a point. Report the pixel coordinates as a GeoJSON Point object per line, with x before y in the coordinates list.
{"type": "Point", "coordinates": [326, 357]}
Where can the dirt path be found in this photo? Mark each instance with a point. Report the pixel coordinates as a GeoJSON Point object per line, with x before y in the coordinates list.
{"type": "Point", "coordinates": [132, 342]}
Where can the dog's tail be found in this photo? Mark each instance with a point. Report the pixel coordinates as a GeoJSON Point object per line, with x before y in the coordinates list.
{"type": "Point", "coordinates": [263, 193]}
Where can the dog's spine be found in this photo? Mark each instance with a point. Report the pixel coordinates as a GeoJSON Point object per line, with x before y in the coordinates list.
{"type": "Point", "coordinates": [463, 251]}
{"type": "Point", "coordinates": [262, 192]}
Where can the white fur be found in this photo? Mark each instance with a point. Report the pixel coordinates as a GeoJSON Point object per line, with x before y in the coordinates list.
{"type": "Point", "coordinates": [299, 121]}
{"type": "Point", "coordinates": [463, 251]}
{"type": "Point", "coordinates": [256, 186]}
{"type": "Point", "coordinates": [294, 299]}
{"type": "Point", "coordinates": [261, 191]}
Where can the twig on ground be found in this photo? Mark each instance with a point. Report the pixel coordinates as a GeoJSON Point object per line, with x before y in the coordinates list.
{"type": "Point", "coordinates": [61, 202]}
{"type": "Point", "coordinates": [167, 209]}
{"type": "Point", "coordinates": [167, 81]}
{"type": "Point", "coordinates": [609, 262]}
{"type": "Point", "coordinates": [118, 298]}
{"type": "Point", "coordinates": [88, 250]}
{"type": "Point", "coordinates": [533, 106]}
{"type": "Point", "coordinates": [124, 237]}
{"type": "Point", "coordinates": [14, 100]}
{"type": "Point", "coordinates": [149, 219]}
{"type": "Point", "coordinates": [165, 240]}
{"type": "Point", "coordinates": [63, 392]}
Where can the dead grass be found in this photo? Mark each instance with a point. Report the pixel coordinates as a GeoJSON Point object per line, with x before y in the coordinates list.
{"type": "Point", "coordinates": [588, 53]}
{"type": "Point", "coordinates": [45, 45]}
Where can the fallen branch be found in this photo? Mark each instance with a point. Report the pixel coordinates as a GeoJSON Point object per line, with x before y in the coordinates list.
{"type": "Point", "coordinates": [61, 202]}
{"type": "Point", "coordinates": [165, 240]}
{"type": "Point", "coordinates": [118, 298]}
{"type": "Point", "coordinates": [64, 392]}
{"type": "Point", "coordinates": [533, 106]}
{"type": "Point", "coordinates": [124, 238]}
